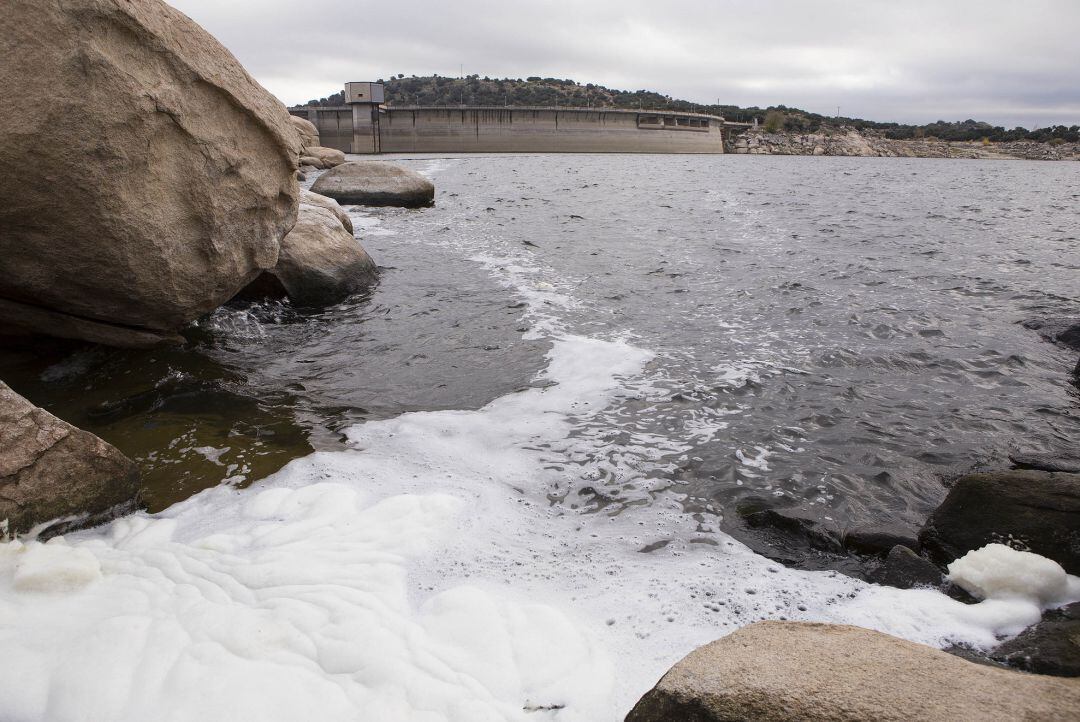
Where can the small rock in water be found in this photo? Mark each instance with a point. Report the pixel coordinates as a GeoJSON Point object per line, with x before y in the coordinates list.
{"type": "Point", "coordinates": [1066, 462]}
{"type": "Point", "coordinates": [880, 539]}
{"type": "Point", "coordinates": [905, 569]}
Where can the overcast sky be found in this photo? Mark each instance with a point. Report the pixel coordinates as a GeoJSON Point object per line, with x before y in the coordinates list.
{"type": "Point", "coordinates": [1011, 62]}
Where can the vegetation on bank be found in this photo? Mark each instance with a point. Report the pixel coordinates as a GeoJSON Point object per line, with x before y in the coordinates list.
{"type": "Point", "coordinates": [476, 90]}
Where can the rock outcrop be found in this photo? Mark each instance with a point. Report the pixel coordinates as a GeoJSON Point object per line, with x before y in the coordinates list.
{"type": "Point", "coordinates": [1036, 511]}
{"type": "Point", "coordinates": [320, 262]}
{"type": "Point", "coordinates": [312, 154]}
{"type": "Point", "coordinates": [162, 175]}
{"type": "Point", "coordinates": [774, 671]}
{"type": "Point", "coordinates": [848, 141]}
{"type": "Point", "coordinates": [50, 470]}
{"type": "Point", "coordinates": [375, 183]}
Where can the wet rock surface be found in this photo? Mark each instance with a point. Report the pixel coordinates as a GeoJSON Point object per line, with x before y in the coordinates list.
{"type": "Point", "coordinates": [1062, 461]}
{"type": "Point", "coordinates": [905, 569]}
{"type": "Point", "coordinates": [1050, 647]}
{"type": "Point", "coordinates": [1035, 511]}
{"type": "Point", "coordinates": [1062, 330]}
{"type": "Point", "coordinates": [320, 262]}
{"type": "Point", "coordinates": [52, 471]}
{"type": "Point", "coordinates": [809, 671]}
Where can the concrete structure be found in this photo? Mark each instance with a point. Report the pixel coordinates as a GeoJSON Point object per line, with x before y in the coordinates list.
{"type": "Point", "coordinates": [367, 126]}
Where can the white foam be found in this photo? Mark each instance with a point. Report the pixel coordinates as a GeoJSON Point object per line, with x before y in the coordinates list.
{"type": "Point", "coordinates": [997, 571]}
{"type": "Point", "coordinates": [417, 577]}
{"type": "Point", "coordinates": [50, 567]}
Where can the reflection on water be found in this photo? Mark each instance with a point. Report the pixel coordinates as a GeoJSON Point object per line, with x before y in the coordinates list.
{"type": "Point", "coordinates": [187, 421]}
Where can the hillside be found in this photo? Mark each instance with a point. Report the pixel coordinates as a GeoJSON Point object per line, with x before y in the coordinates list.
{"type": "Point", "coordinates": [475, 90]}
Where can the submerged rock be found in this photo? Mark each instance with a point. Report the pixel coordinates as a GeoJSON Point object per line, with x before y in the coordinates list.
{"type": "Point", "coordinates": [1035, 511]}
{"type": "Point", "coordinates": [163, 173]}
{"type": "Point", "coordinates": [1064, 331]}
{"type": "Point", "coordinates": [50, 470]}
{"type": "Point", "coordinates": [797, 524]}
{"type": "Point", "coordinates": [320, 262]}
{"type": "Point", "coordinates": [880, 539]}
{"type": "Point", "coordinates": [808, 671]}
{"type": "Point", "coordinates": [375, 183]}
{"type": "Point", "coordinates": [1046, 462]}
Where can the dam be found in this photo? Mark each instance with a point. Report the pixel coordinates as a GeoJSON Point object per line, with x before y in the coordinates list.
{"type": "Point", "coordinates": [366, 125]}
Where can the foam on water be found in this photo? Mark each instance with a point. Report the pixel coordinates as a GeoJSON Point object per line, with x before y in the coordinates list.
{"type": "Point", "coordinates": [997, 571]}
{"type": "Point", "coordinates": [424, 574]}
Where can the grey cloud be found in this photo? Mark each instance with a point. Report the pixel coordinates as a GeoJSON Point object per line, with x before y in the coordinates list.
{"type": "Point", "coordinates": [917, 61]}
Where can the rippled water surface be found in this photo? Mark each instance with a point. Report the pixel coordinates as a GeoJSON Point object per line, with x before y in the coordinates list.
{"type": "Point", "coordinates": [837, 335]}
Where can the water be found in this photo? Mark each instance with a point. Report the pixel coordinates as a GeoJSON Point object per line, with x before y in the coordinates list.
{"type": "Point", "coordinates": [576, 377]}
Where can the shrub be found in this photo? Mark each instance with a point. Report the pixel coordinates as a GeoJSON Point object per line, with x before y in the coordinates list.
{"type": "Point", "coordinates": [774, 121]}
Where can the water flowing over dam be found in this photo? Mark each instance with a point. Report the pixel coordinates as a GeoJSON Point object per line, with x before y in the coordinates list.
{"type": "Point", "coordinates": [365, 125]}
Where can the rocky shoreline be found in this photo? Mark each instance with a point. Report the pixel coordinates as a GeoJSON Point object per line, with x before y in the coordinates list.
{"type": "Point", "coordinates": [848, 141]}
{"type": "Point", "coordinates": [188, 199]}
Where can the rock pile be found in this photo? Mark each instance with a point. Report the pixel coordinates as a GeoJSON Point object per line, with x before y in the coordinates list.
{"type": "Point", "coordinates": [312, 154]}
{"type": "Point", "coordinates": [846, 141]}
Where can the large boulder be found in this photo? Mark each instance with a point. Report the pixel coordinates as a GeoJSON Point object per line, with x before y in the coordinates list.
{"type": "Point", "coordinates": [375, 183]}
{"type": "Point", "coordinates": [320, 262]}
{"type": "Point", "coordinates": [775, 671]}
{"type": "Point", "coordinates": [50, 470]}
{"type": "Point", "coordinates": [162, 174]}
{"type": "Point", "coordinates": [309, 134]}
{"type": "Point", "coordinates": [1037, 511]}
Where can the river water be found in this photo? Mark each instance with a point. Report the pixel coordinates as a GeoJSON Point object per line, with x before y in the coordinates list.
{"type": "Point", "coordinates": [536, 441]}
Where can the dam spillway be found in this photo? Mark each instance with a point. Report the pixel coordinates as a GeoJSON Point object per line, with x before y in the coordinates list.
{"type": "Point", "coordinates": [367, 126]}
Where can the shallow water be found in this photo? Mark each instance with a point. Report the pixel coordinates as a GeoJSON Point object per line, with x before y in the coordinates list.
{"type": "Point", "coordinates": [576, 372]}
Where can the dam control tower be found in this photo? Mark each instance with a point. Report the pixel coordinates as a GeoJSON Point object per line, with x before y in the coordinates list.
{"type": "Point", "coordinates": [364, 100]}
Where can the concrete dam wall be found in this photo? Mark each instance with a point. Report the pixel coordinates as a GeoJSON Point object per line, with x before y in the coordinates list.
{"type": "Point", "coordinates": [361, 128]}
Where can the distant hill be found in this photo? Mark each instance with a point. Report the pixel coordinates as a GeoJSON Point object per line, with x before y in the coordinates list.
{"type": "Point", "coordinates": [474, 90]}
